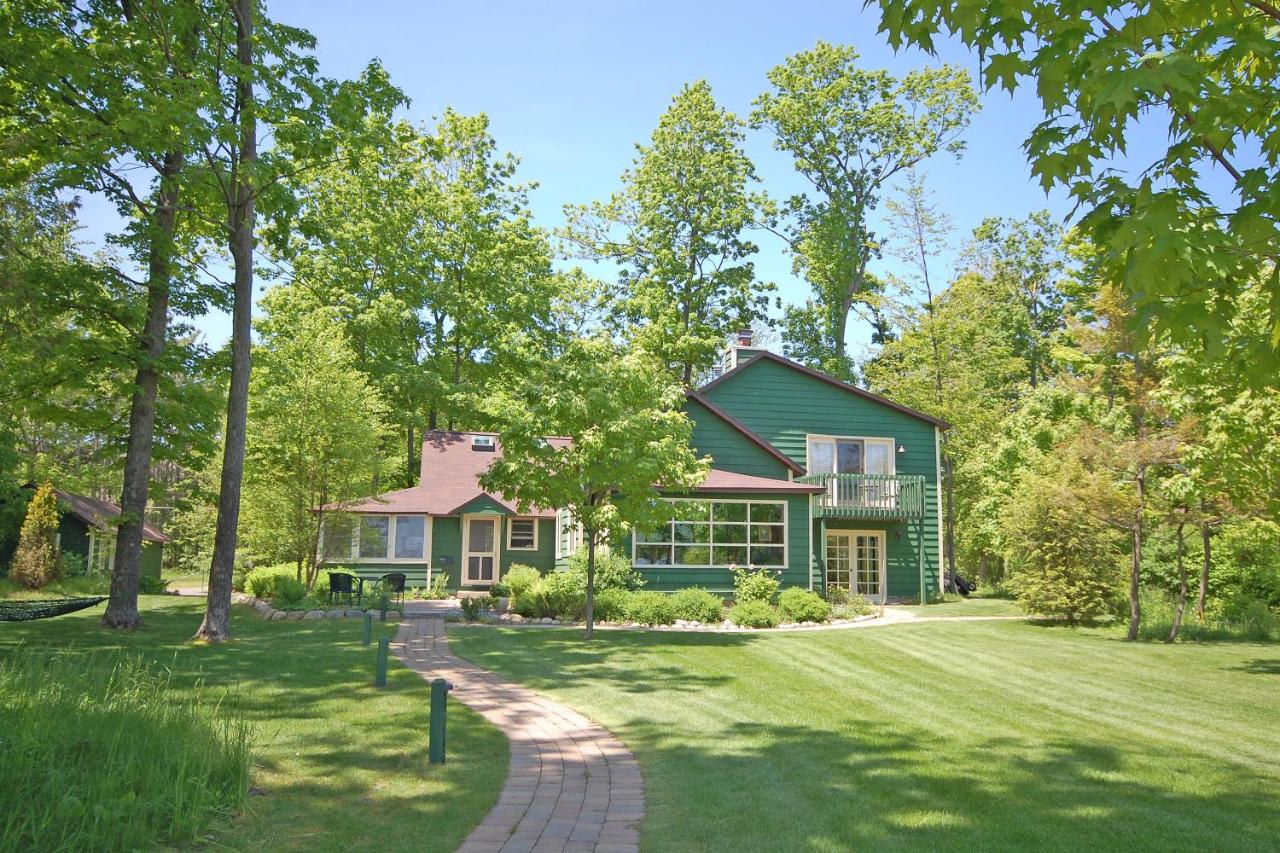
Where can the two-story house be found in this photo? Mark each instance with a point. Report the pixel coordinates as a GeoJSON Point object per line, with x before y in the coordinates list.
{"type": "Point", "coordinates": [819, 480]}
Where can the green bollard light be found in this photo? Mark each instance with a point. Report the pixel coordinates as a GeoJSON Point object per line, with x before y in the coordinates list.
{"type": "Point", "coordinates": [439, 704]}
{"type": "Point", "coordinates": [380, 674]}
{"type": "Point", "coordinates": [368, 628]}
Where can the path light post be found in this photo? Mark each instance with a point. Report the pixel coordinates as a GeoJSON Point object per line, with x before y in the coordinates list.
{"type": "Point", "coordinates": [368, 628]}
{"type": "Point", "coordinates": [380, 673]}
{"type": "Point", "coordinates": [439, 704]}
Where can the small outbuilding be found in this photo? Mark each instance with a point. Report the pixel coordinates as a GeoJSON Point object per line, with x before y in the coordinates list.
{"type": "Point", "coordinates": [86, 527]}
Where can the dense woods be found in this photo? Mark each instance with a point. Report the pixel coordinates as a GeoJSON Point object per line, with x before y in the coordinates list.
{"type": "Point", "coordinates": [1110, 380]}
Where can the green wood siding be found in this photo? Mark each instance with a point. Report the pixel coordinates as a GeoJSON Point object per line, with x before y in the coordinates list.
{"type": "Point", "coordinates": [152, 555]}
{"type": "Point", "coordinates": [731, 450]}
{"type": "Point", "coordinates": [719, 579]}
{"type": "Point", "coordinates": [783, 406]}
{"type": "Point", "coordinates": [446, 541]}
{"type": "Point", "coordinates": [73, 536]}
{"type": "Point", "coordinates": [543, 559]}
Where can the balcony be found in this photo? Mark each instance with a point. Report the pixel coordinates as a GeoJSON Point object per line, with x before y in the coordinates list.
{"type": "Point", "coordinates": [867, 495]}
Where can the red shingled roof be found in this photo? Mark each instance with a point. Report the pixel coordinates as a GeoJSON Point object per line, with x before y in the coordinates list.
{"type": "Point", "coordinates": [99, 513]}
{"type": "Point", "coordinates": [730, 481]}
{"type": "Point", "coordinates": [451, 470]}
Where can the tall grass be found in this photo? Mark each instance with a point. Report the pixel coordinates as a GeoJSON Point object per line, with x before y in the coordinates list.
{"type": "Point", "coordinates": [101, 752]}
{"type": "Point", "coordinates": [1254, 622]}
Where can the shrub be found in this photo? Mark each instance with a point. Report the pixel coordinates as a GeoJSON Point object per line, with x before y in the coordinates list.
{"type": "Point", "coordinates": [36, 562]}
{"type": "Point", "coordinates": [697, 605]}
{"type": "Point", "coordinates": [855, 605]}
{"type": "Point", "coordinates": [288, 591]}
{"type": "Point", "coordinates": [131, 763]}
{"type": "Point", "coordinates": [555, 595]}
{"type": "Point", "coordinates": [520, 578]}
{"type": "Point", "coordinates": [261, 582]}
{"type": "Point", "coordinates": [801, 605]}
{"type": "Point", "coordinates": [74, 565]}
{"type": "Point", "coordinates": [754, 614]}
{"type": "Point", "coordinates": [651, 608]}
{"type": "Point", "coordinates": [474, 607]}
{"type": "Point", "coordinates": [500, 589]}
{"type": "Point", "coordinates": [613, 571]}
{"type": "Point", "coordinates": [610, 605]}
{"type": "Point", "coordinates": [152, 585]}
{"type": "Point", "coordinates": [837, 595]}
{"type": "Point", "coordinates": [755, 585]}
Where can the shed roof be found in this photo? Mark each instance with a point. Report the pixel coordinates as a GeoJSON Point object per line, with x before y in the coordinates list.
{"type": "Point", "coordinates": [731, 481]}
{"type": "Point", "coordinates": [99, 513]}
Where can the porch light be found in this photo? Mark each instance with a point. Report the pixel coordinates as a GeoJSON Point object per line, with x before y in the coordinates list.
{"type": "Point", "coordinates": [902, 448]}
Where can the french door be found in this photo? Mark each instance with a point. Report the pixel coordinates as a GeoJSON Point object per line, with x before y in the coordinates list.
{"type": "Point", "coordinates": [480, 549]}
{"type": "Point", "coordinates": [856, 561]}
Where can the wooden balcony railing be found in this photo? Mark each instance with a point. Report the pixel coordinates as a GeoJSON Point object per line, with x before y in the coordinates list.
{"type": "Point", "coordinates": [868, 495]}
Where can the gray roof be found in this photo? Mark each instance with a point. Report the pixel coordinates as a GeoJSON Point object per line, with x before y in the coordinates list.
{"type": "Point", "coordinates": [99, 513]}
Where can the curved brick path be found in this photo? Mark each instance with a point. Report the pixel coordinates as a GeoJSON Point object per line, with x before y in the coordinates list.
{"type": "Point", "coordinates": [572, 786]}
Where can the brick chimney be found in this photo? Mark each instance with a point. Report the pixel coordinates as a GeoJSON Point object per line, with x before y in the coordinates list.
{"type": "Point", "coordinates": [744, 337]}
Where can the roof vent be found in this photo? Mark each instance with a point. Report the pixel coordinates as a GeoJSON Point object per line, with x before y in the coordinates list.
{"type": "Point", "coordinates": [484, 443]}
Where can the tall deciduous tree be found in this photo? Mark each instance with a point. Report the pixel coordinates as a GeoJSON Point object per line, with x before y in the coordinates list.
{"type": "Point", "coordinates": [1210, 71]}
{"type": "Point", "coordinates": [315, 426]}
{"type": "Point", "coordinates": [627, 435]}
{"type": "Point", "coordinates": [849, 132]}
{"type": "Point", "coordinates": [675, 230]}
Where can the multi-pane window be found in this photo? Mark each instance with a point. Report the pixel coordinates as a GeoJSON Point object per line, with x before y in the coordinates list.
{"type": "Point", "coordinates": [716, 533]}
{"type": "Point", "coordinates": [522, 534]}
{"type": "Point", "coordinates": [568, 534]}
{"type": "Point", "coordinates": [374, 537]}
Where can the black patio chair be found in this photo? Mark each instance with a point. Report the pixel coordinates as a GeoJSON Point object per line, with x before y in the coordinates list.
{"type": "Point", "coordinates": [340, 584]}
{"type": "Point", "coordinates": [393, 586]}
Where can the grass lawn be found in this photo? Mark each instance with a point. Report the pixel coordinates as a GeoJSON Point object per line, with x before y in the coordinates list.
{"type": "Point", "coordinates": [338, 764]}
{"type": "Point", "coordinates": [933, 736]}
{"type": "Point", "coordinates": [954, 605]}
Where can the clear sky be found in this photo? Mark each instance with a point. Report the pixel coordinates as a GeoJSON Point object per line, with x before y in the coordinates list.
{"type": "Point", "coordinates": [570, 87]}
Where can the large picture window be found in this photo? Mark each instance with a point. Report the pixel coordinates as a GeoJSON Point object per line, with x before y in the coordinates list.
{"type": "Point", "coordinates": [716, 533]}
{"type": "Point", "coordinates": [375, 538]}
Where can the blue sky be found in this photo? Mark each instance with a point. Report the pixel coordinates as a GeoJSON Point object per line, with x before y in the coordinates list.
{"type": "Point", "coordinates": [571, 87]}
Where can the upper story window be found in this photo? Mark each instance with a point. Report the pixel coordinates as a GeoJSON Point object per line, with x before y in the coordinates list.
{"type": "Point", "coordinates": [829, 454]}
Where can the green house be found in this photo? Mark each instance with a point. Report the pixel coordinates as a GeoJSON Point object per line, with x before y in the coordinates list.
{"type": "Point", "coordinates": [819, 480]}
{"type": "Point", "coordinates": [86, 528]}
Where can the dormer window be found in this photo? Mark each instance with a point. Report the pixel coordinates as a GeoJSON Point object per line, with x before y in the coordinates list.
{"type": "Point", "coordinates": [484, 443]}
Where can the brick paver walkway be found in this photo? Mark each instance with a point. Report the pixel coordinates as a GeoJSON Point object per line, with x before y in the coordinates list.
{"type": "Point", "coordinates": [572, 786]}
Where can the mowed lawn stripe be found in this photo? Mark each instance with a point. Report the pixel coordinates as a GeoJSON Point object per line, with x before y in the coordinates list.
{"type": "Point", "coordinates": [938, 736]}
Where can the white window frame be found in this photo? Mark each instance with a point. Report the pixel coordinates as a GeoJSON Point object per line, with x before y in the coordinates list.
{"type": "Point", "coordinates": [353, 553]}
{"type": "Point", "coordinates": [511, 523]}
{"type": "Point", "coordinates": [786, 534]}
{"type": "Point", "coordinates": [865, 439]}
{"type": "Point", "coordinates": [483, 441]}
{"type": "Point", "coordinates": [565, 550]}
{"type": "Point", "coordinates": [883, 536]}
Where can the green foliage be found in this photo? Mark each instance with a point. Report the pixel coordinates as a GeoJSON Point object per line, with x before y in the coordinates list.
{"type": "Point", "coordinates": [143, 769]}
{"type": "Point", "coordinates": [74, 565]}
{"type": "Point", "coordinates": [801, 605]}
{"type": "Point", "coordinates": [263, 582]}
{"type": "Point", "coordinates": [675, 230]}
{"type": "Point", "coordinates": [315, 426]}
{"type": "Point", "coordinates": [756, 584]}
{"type": "Point", "coordinates": [697, 605]}
{"type": "Point", "coordinates": [520, 578]}
{"type": "Point", "coordinates": [1181, 251]}
{"type": "Point", "coordinates": [849, 131]}
{"type": "Point", "coordinates": [613, 571]}
{"type": "Point", "coordinates": [610, 605]}
{"type": "Point", "coordinates": [37, 561]}
{"type": "Point", "coordinates": [474, 607]}
{"type": "Point", "coordinates": [287, 591]}
{"type": "Point", "coordinates": [853, 606]}
{"type": "Point", "coordinates": [500, 589]}
{"type": "Point", "coordinates": [650, 608]}
{"type": "Point", "coordinates": [556, 595]}
{"type": "Point", "coordinates": [1064, 562]}
{"type": "Point", "coordinates": [754, 613]}
{"type": "Point", "coordinates": [1238, 617]}
{"type": "Point", "coordinates": [152, 585]}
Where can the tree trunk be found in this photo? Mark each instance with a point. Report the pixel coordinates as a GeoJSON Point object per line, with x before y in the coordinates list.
{"type": "Point", "coordinates": [591, 584]}
{"type": "Point", "coordinates": [1135, 565]}
{"type": "Point", "coordinates": [122, 608]}
{"type": "Point", "coordinates": [1182, 582]}
{"type": "Point", "coordinates": [1204, 568]}
{"type": "Point", "coordinates": [982, 569]}
{"type": "Point", "coordinates": [216, 626]}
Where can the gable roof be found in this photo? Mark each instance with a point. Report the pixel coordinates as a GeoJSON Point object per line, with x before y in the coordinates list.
{"type": "Point", "coordinates": [99, 513]}
{"type": "Point", "coordinates": [827, 378]}
{"type": "Point", "coordinates": [450, 479]}
{"type": "Point", "coordinates": [744, 430]}
{"type": "Point", "coordinates": [731, 481]}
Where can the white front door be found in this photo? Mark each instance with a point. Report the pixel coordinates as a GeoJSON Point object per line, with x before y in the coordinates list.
{"type": "Point", "coordinates": [856, 561]}
{"type": "Point", "coordinates": [480, 549]}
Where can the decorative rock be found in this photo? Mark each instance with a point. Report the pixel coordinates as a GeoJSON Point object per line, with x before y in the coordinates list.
{"type": "Point", "coordinates": [334, 614]}
{"type": "Point", "coordinates": [546, 620]}
{"type": "Point", "coordinates": [393, 615]}
{"type": "Point", "coordinates": [295, 615]}
{"type": "Point", "coordinates": [314, 614]}
{"type": "Point", "coordinates": [808, 624]}
{"type": "Point", "coordinates": [261, 606]}
{"type": "Point", "coordinates": [516, 617]}
{"type": "Point", "coordinates": [355, 613]}
{"type": "Point", "coordinates": [277, 615]}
